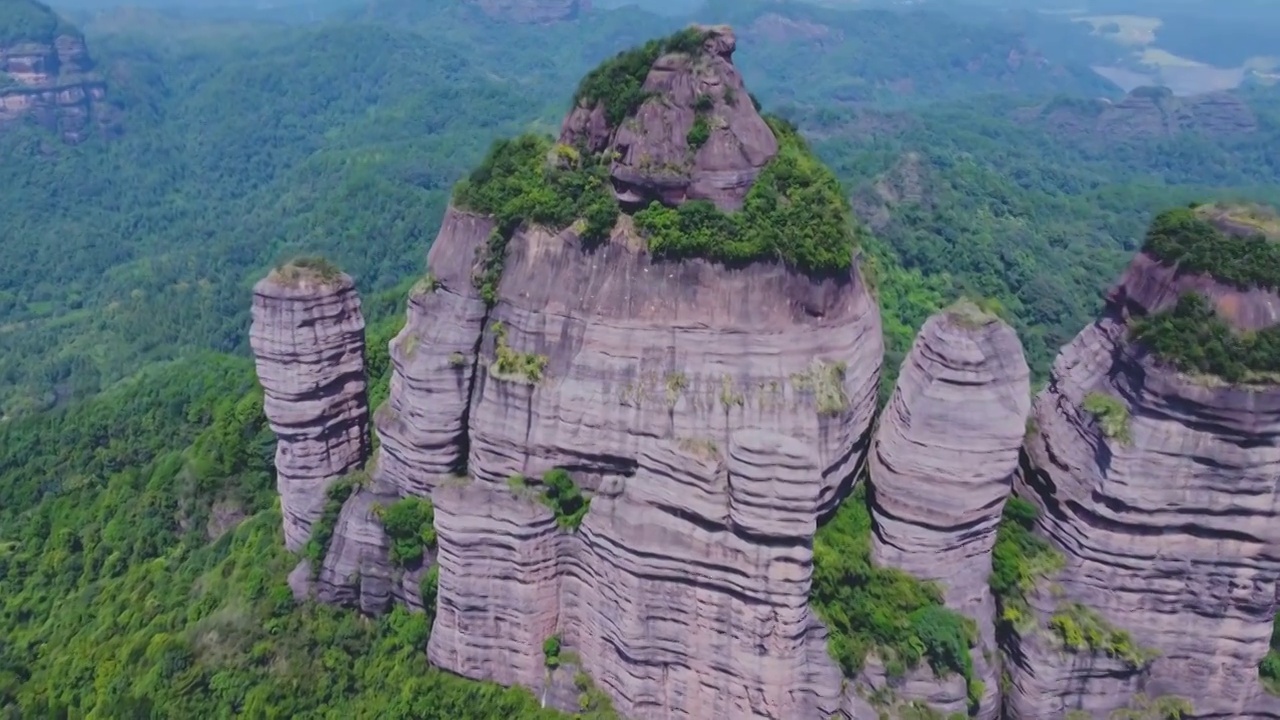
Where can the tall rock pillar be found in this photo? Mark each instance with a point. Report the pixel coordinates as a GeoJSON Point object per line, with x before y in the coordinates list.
{"type": "Point", "coordinates": [942, 462]}
{"type": "Point", "coordinates": [308, 345]}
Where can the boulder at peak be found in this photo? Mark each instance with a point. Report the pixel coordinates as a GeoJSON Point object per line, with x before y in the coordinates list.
{"type": "Point", "coordinates": [943, 459]}
{"type": "Point", "coordinates": [308, 345]}
{"type": "Point", "coordinates": [1154, 466]}
{"type": "Point", "coordinates": [677, 120]}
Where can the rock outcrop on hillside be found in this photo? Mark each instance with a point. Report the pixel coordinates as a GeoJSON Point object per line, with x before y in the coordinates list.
{"type": "Point", "coordinates": [1146, 113]}
{"type": "Point", "coordinates": [653, 156]}
{"type": "Point", "coordinates": [1167, 520]}
{"type": "Point", "coordinates": [942, 464]}
{"type": "Point", "coordinates": [533, 11]}
{"type": "Point", "coordinates": [308, 344]}
{"type": "Point", "coordinates": [49, 77]}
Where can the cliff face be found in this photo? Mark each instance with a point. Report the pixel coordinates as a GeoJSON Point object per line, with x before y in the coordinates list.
{"type": "Point", "coordinates": [51, 80]}
{"type": "Point", "coordinates": [533, 11]}
{"type": "Point", "coordinates": [308, 344]}
{"type": "Point", "coordinates": [654, 157]}
{"type": "Point", "coordinates": [1167, 523]}
{"type": "Point", "coordinates": [1148, 113]}
{"type": "Point", "coordinates": [942, 463]}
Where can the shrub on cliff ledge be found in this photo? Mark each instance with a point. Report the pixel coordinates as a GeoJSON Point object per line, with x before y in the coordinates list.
{"type": "Point", "coordinates": [883, 610]}
{"type": "Point", "coordinates": [1111, 413]}
{"type": "Point", "coordinates": [618, 83]}
{"type": "Point", "coordinates": [1019, 560]}
{"type": "Point", "coordinates": [795, 212]}
{"type": "Point", "coordinates": [1181, 236]}
{"type": "Point", "coordinates": [410, 525]}
{"type": "Point", "coordinates": [1194, 339]}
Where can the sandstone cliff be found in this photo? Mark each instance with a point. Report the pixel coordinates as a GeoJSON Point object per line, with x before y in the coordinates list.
{"type": "Point", "coordinates": [942, 463]}
{"type": "Point", "coordinates": [1159, 488]}
{"type": "Point", "coordinates": [308, 344]}
{"type": "Point", "coordinates": [46, 75]}
{"type": "Point", "coordinates": [533, 11]}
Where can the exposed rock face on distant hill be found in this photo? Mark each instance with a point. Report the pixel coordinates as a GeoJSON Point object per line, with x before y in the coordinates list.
{"type": "Point", "coordinates": [1167, 519]}
{"type": "Point", "coordinates": [654, 160]}
{"type": "Point", "coordinates": [943, 459]}
{"type": "Point", "coordinates": [1146, 113]}
{"type": "Point", "coordinates": [533, 11]}
{"type": "Point", "coordinates": [49, 77]}
{"type": "Point", "coordinates": [308, 343]}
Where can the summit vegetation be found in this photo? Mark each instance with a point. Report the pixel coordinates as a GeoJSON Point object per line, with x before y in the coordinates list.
{"type": "Point", "coordinates": [28, 20]}
{"type": "Point", "coordinates": [1183, 236]}
{"type": "Point", "coordinates": [618, 83]}
{"type": "Point", "coordinates": [1195, 339]}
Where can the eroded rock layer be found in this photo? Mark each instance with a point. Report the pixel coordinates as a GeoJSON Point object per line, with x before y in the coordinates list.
{"type": "Point", "coordinates": [943, 460]}
{"type": "Point", "coordinates": [423, 425]}
{"type": "Point", "coordinates": [308, 345]}
{"type": "Point", "coordinates": [638, 350]}
{"type": "Point", "coordinates": [1168, 521]}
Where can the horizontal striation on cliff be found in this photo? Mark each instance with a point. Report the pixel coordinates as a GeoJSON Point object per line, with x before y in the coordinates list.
{"type": "Point", "coordinates": [308, 345]}
{"type": "Point", "coordinates": [639, 350]}
{"type": "Point", "coordinates": [689, 595]}
{"type": "Point", "coordinates": [1160, 489]}
{"type": "Point", "coordinates": [942, 463]}
{"type": "Point", "coordinates": [498, 597]}
{"type": "Point", "coordinates": [423, 425]}
{"type": "Point", "coordinates": [50, 78]}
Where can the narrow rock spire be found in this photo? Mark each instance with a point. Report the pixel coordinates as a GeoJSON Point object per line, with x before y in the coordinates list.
{"type": "Point", "coordinates": [308, 345]}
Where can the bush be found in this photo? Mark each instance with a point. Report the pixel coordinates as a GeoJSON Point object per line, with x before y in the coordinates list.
{"type": "Point", "coordinates": [1194, 339]}
{"type": "Point", "coordinates": [795, 212]}
{"type": "Point", "coordinates": [699, 134]}
{"type": "Point", "coordinates": [1111, 413]}
{"type": "Point", "coordinates": [868, 608]}
{"type": "Point", "coordinates": [1181, 236]}
{"type": "Point", "coordinates": [565, 498]}
{"type": "Point", "coordinates": [551, 651]}
{"type": "Point", "coordinates": [410, 525]}
{"type": "Point", "coordinates": [1019, 560]}
{"type": "Point", "coordinates": [322, 529]}
{"type": "Point", "coordinates": [1082, 630]}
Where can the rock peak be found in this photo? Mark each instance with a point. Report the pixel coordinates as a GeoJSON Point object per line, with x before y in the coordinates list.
{"type": "Point", "coordinates": [676, 120]}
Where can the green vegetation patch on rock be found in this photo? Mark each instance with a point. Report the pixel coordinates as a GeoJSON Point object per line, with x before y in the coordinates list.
{"type": "Point", "coordinates": [1081, 629]}
{"type": "Point", "coordinates": [618, 83]}
{"type": "Point", "coordinates": [883, 610]}
{"type": "Point", "coordinates": [1020, 559]}
{"type": "Point", "coordinates": [1185, 237]}
{"type": "Point", "coordinates": [1194, 339]}
{"type": "Point", "coordinates": [527, 368]}
{"type": "Point", "coordinates": [1269, 669]}
{"type": "Point", "coordinates": [1111, 413]}
{"type": "Point", "coordinates": [322, 530]}
{"type": "Point", "coordinates": [531, 179]}
{"type": "Point", "coordinates": [410, 524]}
{"type": "Point", "coordinates": [307, 269]}
{"type": "Point", "coordinates": [559, 493]}
{"type": "Point", "coordinates": [795, 212]}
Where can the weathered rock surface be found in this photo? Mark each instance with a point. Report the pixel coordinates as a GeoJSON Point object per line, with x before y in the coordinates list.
{"type": "Point", "coordinates": [639, 350]}
{"type": "Point", "coordinates": [943, 460]}
{"type": "Point", "coordinates": [356, 570]}
{"type": "Point", "coordinates": [653, 158]}
{"type": "Point", "coordinates": [689, 597]}
{"type": "Point", "coordinates": [533, 11]}
{"type": "Point", "coordinates": [50, 79]}
{"type": "Point", "coordinates": [1147, 113]}
{"type": "Point", "coordinates": [423, 425]}
{"type": "Point", "coordinates": [1171, 534]}
{"type": "Point", "coordinates": [308, 345]}
{"type": "Point", "coordinates": [498, 601]}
